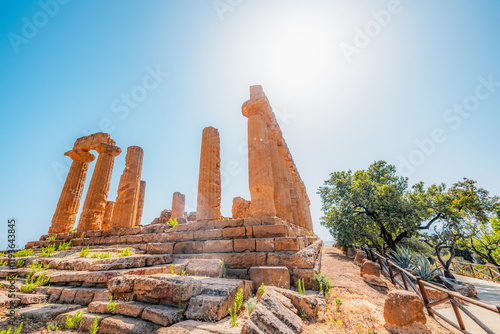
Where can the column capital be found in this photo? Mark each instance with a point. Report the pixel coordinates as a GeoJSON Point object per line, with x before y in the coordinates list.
{"type": "Point", "coordinates": [108, 149]}
{"type": "Point", "coordinates": [252, 107]}
{"type": "Point", "coordinates": [80, 155]}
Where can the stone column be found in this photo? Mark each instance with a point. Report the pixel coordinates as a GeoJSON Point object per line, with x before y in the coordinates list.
{"type": "Point", "coordinates": [140, 202]}
{"type": "Point", "coordinates": [125, 211]}
{"type": "Point", "coordinates": [178, 205]}
{"type": "Point", "coordinates": [209, 182]}
{"type": "Point", "coordinates": [97, 194]}
{"type": "Point", "coordinates": [285, 197]}
{"type": "Point", "coordinates": [108, 215]}
{"type": "Point", "coordinates": [260, 172]}
{"type": "Point", "coordinates": [69, 201]}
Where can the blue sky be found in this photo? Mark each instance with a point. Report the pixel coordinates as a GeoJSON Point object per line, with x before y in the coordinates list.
{"type": "Point", "coordinates": [352, 82]}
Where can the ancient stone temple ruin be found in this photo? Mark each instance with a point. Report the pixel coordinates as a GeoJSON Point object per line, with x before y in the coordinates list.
{"type": "Point", "coordinates": [267, 240]}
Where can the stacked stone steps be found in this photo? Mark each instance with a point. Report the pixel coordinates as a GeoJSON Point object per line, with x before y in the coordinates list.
{"type": "Point", "coordinates": [73, 295]}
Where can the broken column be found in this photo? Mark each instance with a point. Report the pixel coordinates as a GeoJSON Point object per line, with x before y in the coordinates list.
{"type": "Point", "coordinates": [178, 205]}
{"type": "Point", "coordinates": [125, 210]}
{"type": "Point", "coordinates": [209, 182]}
{"type": "Point", "coordinates": [97, 194]}
{"type": "Point", "coordinates": [240, 208]}
{"type": "Point", "coordinates": [140, 202]}
{"type": "Point", "coordinates": [69, 201]}
{"type": "Point", "coordinates": [260, 171]}
{"type": "Point", "coordinates": [108, 215]}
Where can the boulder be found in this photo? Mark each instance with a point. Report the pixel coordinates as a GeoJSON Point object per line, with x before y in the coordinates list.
{"type": "Point", "coordinates": [270, 276]}
{"type": "Point", "coordinates": [271, 317]}
{"type": "Point", "coordinates": [403, 308]}
{"type": "Point", "coordinates": [375, 280]}
{"type": "Point", "coordinates": [370, 268]}
{"type": "Point", "coordinates": [123, 325]}
{"type": "Point", "coordinates": [359, 256]}
{"type": "Point", "coordinates": [307, 304]}
{"type": "Point", "coordinates": [466, 289]}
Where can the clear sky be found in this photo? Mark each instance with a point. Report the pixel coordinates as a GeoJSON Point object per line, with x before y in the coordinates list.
{"type": "Point", "coordinates": [415, 83]}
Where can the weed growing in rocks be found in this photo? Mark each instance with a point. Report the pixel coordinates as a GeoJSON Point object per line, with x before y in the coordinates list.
{"type": "Point", "coordinates": [47, 251]}
{"type": "Point", "coordinates": [262, 288]}
{"type": "Point", "coordinates": [250, 304]}
{"type": "Point", "coordinates": [338, 302]}
{"type": "Point", "coordinates": [24, 253]}
{"type": "Point", "coordinates": [111, 305]}
{"type": "Point", "coordinates": [325, 284]}
{"type": "Point", "coordinates": [172, 272]}
{"type": "Point", "coordinates": [238, 300]}
{"type": "Point", "coordinates": [126, 252]}
{"type": "Point", "coordinates": [74, 322]}
{"type": "Point", "coordinates": [85, 251]}
{"type": "Point", "coordinates": [64, 246]}
{"type": "Point", "coordinates": [95, 326]}
{"type": "Point", "coordinates": [9, 331]}
{"type": "Point", "coordinates": [53, 327]}
{"type": "Point", "coordinates": [20, 263]}
{"type": "Point", "coordinates": [302, 288]}
{"type": "Point", "coordinates": [53, 237]}
{"type": "Point", "coordinates": [172, 222]}
{"type": "Point", "coordinates": [3, 263]}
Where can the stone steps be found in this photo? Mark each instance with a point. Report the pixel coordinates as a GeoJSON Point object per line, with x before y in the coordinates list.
{"type": "Point", "coordinates": [73, 295]}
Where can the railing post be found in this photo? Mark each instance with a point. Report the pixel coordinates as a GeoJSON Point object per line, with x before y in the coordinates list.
{"type": "Point", "coordinates": [421, 286]}
{"type": "Point", "coordinates": [390, 272]}
{"type": "Point", "coordinates": [491, 273]}
{"type": "Point", "coordinates": [472, 269]}
{"type": "Point", "coordinates": [403, 275]}
{"type": "Point", "coordinates": [457, 314]}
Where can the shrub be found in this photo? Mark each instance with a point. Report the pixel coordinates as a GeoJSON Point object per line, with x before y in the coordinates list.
{"type": "Point", "coordinates": [324, 283]}
{"type": "Point", "coordinates": [402, 257]}
{"type": "Point", "coordinates": [250, 304]}
{"type": "Point", "coordinates": [95, 326]}
{"type": "Point", "coordinates": [85, 251]}
{"type": "Point", "coordinates": [238, 300]}
{"type": "Point", "coordinates": [74, 322]}
{"type": "Point", "coordinates": [23, 253]}
{"type": "Point", "coordinates": [111, 305]}
{"type": "Point", "coordinates": [172, 222]}
{"type": "Point", "coordinates": [338, 302]}
{"type": "Point", "coordinates": [424, 269]}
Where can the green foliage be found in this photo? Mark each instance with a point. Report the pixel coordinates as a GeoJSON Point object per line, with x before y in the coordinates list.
{"type": "Point", "coordinates": [52, 238]}
{"type": "Point", "coordinates": [402, 257]}
{"type": "Point", "coordinates": [4, 263]}
{"type": "Point", "coordinates": [83, 235]}
{"type": "Point", "coordinates": [47, 251]}
{"type": "Point", "coordinates": [95, 326]}
{"type": "Point", "coordinates": [85, 251]}
{"type": "Point", "coordinates": [486, 243]}
{"type": "Point", "coordinates": [338, 302]}
{"type": "Point", "coordinates": [423, 268]}
{"type": "Point", "coordinates": [2, 253]}
{"type": "Point", "coordinates": [105, 255]}
{"type": "Point", "coordinates": [238, 300]}
{"type": "Point", "coordinates": [73, 231]}
{"type": "Point", "coordinates": [24, 253]}
{"type": "Point", "coordinates": [324, 283]}
{"type": "Point", "coordinates": [302, 288]}
{"type": "Point", "coordinates": [20, 263]}
{"type": "Point", "coordinates": [172, 222]}
{"type": "Point", "coordinates": [179, 301]}
{"type": "Point", "coordinates": [262, 288]}
{"type": "Point", "coordinates": [41, 279]}
{"type": "Point", "coordinates": [74, 322]}
{"type": "Point", "coordinates": [53, 327]}
{"type": "Point", "coordinates": [9, 330]}
{"type": "Point", "coordinates": [64, 246]}
{"type": "Point", "coordinates": [250, 304]}
{"type": "Point", "coordinates": [371, 207]}
{"type": "Point", "coordinates": [172, 272]}
{"type": "Point", "coordinates": [417, 246]}
{"type": "Point", "coordinates": [126, 252]}
{"type": "Point", "coordinates": [111, 305]}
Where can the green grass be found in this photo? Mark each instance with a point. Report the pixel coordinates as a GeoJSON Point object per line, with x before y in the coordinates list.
{"type": "Point", "coordinates": [9, 331]}
{"type": "Point", "coordinates": [238, 300]}
{"type": "Point", "coordinates": [24, 253]}
{"type": "Point", "coordinates": [111, 305]}
{"type": "Point", "coordinates": [74, 322]}
{"type": "Point", "coordinates": [95, 326]}
{"type": "Point", "coordinates": [85, 251]}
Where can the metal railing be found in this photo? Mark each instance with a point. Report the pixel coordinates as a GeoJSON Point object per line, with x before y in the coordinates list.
{"type": "Point", "coordinates": [409, 281]}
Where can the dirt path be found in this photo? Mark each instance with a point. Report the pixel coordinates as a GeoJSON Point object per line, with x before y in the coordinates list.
{"type": "Point", "coordinates": [362, 305]}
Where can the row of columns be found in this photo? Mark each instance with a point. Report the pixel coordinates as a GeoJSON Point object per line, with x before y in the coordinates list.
{"type": "Point", "coordinates": [98, 213]}
{"type": "Point", "coordinates": [276, 188]}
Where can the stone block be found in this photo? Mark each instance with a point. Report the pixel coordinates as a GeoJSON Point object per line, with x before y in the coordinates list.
{"type": "Point", "coordinates": [252, 221]}
{"type": "Point", "coordinates": [234, 232]}
{"type": "Point", "coordinates": [161, 314]}
{"type": "Point", "coordinates": [218, 246]}
{"type": "Point", "coordinates": [286, 244]}
{"type": "Point", "coordinates": [264, 245]}
{"type": "Point", "coordinates": [205, 267]}
{"type": "Point", "coordinates": [244, 245]}
{"type": "Point", "coordinates": [228, 223]}
{"type": "Point", "coordinates": [270, 231]}
{"type": "Point", "coordinates": [160, 248]}
{"type": "Point", "coordinates": [273, 276]}
{"type": "Point", "coordinates": [188, 247]}
{"type": "Point", "coordinates": [208, 234]}
{"type": "Point", "coordinates": [180, 236]}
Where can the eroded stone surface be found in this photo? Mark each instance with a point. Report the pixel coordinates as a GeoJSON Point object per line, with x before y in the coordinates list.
{"type": "Point", "coordinates": [404, 308]}
{"type": "Point", "coordinates": [209, 183]}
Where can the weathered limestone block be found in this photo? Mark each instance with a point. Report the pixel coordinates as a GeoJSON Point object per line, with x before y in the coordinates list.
{"type": "Point", "coordinates": [125, 325]}
{"type": "Point", "coordinates": [272, 276]}
{"type": "Point", "coordinates": [264, 245]}
{"type": "Point", "coordinates": [240, 208]}
{"type": "Point", "coordinates": [271, 316]}
{"type": "Point", "coordinates": [244, 245]}
{"type": "Point", "coordinates": [218, 246]}
{"type": "Point", "coordinates": [88, 143]}
{"type": "Point", "coordinates": [140, 202]}
{"type": "Point", "coordinates": [228, 223]}
{"type": "Point", "coordinates": [209, 183]}
{"type": "Point", "coordinates": [191, 216]}
{"type": "Point", "coordinates": [125, 211]}
{"type": "Point", "coordinates": [303, 303]}
{"type": "Point", "coordinates": [161, 314]}
{"type": "Point", "coordinates": [375, 280]}
{"type": "Point", "coordinates": [287, 244]}
{"type": "Point", "coordinates": [305, 258]}
{"type": "Point", "coordinates": [178, 205]}
{"type": "Point", "coordinates": [269, 231]}
{"type": "Point", "coordinates": [404, 308]}
{"type": "Point", "coordinates": [69, 201]}
{"type": "Point", "coordinates": [160, 248]}
{"type": "Point", "coordinates": [205, 267]}
{"type": "Point", "coordinates": [188, 247]}
{"type": "Point", "coordinates": [94, 206]}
